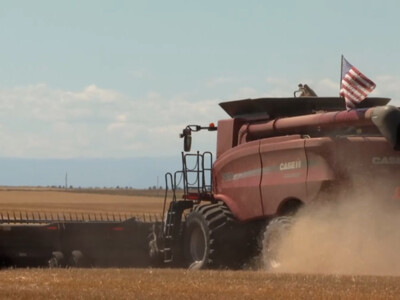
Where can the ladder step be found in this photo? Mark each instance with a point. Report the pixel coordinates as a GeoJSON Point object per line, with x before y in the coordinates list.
{"type": "Point", "coordinates": [168, 257]}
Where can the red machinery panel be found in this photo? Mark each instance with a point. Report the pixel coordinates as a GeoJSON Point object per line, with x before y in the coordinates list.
{"type": "Point", "coordinates": [237, 180]}
{"type": "Point", "coordinates": [284, 171]}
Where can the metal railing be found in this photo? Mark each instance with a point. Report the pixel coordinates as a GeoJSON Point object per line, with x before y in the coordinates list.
{"type": "Point", "coordinates": [197, 178]}
{"type": "Point", "coordinates": [41, 217]}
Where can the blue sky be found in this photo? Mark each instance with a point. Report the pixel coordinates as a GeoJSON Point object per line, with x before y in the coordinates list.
{"type": "Point", "coordinates": [120, 79]}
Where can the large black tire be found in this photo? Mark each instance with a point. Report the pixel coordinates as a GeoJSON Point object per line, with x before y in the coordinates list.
{"type": "Point", "coordinates": [205, 229]}
{"type": "Point", "coordinates": [275, 231]}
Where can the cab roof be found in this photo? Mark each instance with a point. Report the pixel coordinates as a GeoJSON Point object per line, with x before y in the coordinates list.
{"type": "Point", "coordinates": [272, 108]}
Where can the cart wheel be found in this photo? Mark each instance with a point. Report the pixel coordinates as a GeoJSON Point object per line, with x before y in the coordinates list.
{"type": "Point", "coordinates": [56, 260]}
{"type": "Point", "coordinates": [77, 259]}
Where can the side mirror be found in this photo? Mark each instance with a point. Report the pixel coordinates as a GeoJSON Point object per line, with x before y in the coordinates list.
{"type": "Point", "coordinates": [187, 134]}
{"type": "Point", "coordinates": [187, 143]}
{"type": "Point", "coordinates": [187, 139]}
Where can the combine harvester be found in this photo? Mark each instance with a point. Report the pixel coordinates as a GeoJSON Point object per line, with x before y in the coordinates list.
{"type": "Point", "coordinates": [273, 156]}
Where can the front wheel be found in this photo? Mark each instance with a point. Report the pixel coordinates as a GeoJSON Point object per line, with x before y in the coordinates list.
{"type": "Point", "coordinates": [204, 228]}
{"type": "Point", "coordinates": [197, 242]}
{"type": "Point", "coordinates": [155, 255]}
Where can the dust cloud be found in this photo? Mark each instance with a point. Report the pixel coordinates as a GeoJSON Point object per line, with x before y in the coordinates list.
{"type": "Point", "coordinates": [357, 235]}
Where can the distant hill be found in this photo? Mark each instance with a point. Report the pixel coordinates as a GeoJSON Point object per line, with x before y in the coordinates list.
{"type": "Point", "coordinates": [82, 172]}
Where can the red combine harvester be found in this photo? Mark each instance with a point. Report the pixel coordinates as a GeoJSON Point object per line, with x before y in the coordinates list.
{"type": "Point", "coordinates": [274, 155]}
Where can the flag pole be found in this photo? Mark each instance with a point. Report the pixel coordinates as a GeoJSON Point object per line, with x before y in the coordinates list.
{"type": "Point", "coordinates": [341, 74]}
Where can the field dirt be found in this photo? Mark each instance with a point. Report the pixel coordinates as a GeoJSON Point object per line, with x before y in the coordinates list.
{"type": "Point", "coordinates": [306, 278]}
{"type": "Point", "coordinates": [183, 284]}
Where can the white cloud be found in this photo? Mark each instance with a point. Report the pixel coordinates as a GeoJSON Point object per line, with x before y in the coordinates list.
{"type": "Point", "coordinates": [38, 121]}
{"type": "Point", "coordinates": [94, 94]}
{"type": "Point", "coordinates": [41, 122]}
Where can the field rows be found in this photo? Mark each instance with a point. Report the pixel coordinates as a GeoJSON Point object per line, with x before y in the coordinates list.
{"type": "Point", "coordinates": [182, 284]}
{"type": "Point", "coordinates": [84, 203]}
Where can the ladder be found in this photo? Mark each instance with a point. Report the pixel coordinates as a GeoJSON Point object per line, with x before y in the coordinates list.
{"type": "Point", "coordinates": [196, 176]}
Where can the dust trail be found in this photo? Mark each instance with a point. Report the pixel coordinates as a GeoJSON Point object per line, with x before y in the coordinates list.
{"type": "Point", "coordinates": [352, 236]}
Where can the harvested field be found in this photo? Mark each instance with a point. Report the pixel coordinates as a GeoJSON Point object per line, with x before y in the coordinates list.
{"type": "Point", "coordinates": [182, 284]}
{"type": "Point", "coordinates": [59, 201]}
{"type": "Point", "coordinates": [165, 283]}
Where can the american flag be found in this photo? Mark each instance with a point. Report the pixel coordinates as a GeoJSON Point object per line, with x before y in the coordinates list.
{"type": "Point", "coordinates": [354, 86]}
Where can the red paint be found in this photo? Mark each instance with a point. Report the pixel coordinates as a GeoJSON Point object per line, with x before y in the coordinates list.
{"type": "Point", "coordinates": [262, 163]}
{"type": "Point", "coordinates": [118, 228]}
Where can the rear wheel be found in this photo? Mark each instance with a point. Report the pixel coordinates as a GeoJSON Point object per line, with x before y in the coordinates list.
{"type": "Point", "coordinates": [276, 230]}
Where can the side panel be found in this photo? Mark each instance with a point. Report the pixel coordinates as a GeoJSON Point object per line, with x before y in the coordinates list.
{"type": "Point", "coordinates": [322, 166]}
{"type": "Point", "coordinates": [358, 168]}
{"type": "Point", "coordinates": [227, 135]}
{"type": "Point", "coordinates": [284, 171]}
{"type": "Point", "coordinates": [371, 168]}
{"type": "Point", "coordinates": [237, 175]}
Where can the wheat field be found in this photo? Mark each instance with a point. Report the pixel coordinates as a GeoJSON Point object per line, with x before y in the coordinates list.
{"type": "Point", "coordinates": [164, 283]}
{"type": "Point", "coordinates": [28, 203]}
{"type": "Point", "coordinates": [183, 284]}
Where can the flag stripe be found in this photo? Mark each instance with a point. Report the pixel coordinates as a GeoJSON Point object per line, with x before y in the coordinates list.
{"type": "Point", "coordinates": [351, 84]}
{"type": "Point", "coordinates": [361, 81]}
{"type": "Point", "coordinates": [353, 92]}
{"type": "Point", "coordinates": [355, 86]}
{"type": "Point", "coordinates": [351, 97]}
{"type": "Point", "coordinates": [367, 80]}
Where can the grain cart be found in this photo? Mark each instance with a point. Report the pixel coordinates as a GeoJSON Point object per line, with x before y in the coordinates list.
{"type": "Point", "coordinates": [273, 156]}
